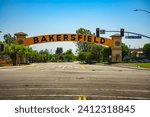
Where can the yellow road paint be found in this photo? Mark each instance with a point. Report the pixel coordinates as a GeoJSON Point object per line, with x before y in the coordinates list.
{"type": "Point", "coordinates": [81, 97]}
{"type": "Point", "coordinates": [84, 97]}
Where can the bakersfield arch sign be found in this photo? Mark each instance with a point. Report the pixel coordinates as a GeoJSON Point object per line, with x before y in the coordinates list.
{"type": "Point", "coordinates": [67, 37]}
{"type": "Point", "coordinates": [114, 42]}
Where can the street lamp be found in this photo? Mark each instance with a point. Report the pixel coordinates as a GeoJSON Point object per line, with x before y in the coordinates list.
{"type": "Point", "coordinates": [142, 10]}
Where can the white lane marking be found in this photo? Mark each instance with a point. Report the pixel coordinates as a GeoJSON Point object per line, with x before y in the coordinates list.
{"type": "Point", "coordinates": [95, 89]}
{"type": "Point", "coordinates": [59, 66]}
{"type": "Point", "coordinates": [9, 69]}
{"type": "Point", "coordinates": [63, 67]}
{"type": "Point", "coordinates": [67, 66]}
{"type": "Point", "coordinates": [90, 96]}
{"type": "Point", "coordinates": [76, 67]}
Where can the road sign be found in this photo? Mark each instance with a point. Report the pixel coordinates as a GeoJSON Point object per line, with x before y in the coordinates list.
{"type": "Point", "coordinates": [133, 37]}
{"type": "Point", "coordinates": [102, 31]}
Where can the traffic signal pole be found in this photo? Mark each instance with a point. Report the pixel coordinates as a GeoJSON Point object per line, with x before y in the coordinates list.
{"type": "Point", "coordinates": [97, 32]}
{"type": "Point", "coordinates": [116, 45]}
{"type": "Point", "coordinates": [132, 33]}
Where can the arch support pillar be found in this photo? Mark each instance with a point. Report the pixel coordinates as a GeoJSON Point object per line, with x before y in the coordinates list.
{"type": "Point", "coordinates": [116, 48]}
{"type": "Point", "coordinates": [20, 36]}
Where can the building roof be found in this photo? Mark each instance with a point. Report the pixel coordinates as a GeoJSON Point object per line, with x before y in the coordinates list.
{"type": "Point", "coordinates": [136, 49]}
{"type": "Point", "coordinates": [20, 34]}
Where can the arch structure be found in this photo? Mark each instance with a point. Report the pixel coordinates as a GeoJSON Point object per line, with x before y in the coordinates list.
{"type": "Point", "coordinates": [114, 42]}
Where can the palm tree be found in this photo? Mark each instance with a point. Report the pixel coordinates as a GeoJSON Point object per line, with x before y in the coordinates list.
{"type": "Point", "coordinates": [8, 39]}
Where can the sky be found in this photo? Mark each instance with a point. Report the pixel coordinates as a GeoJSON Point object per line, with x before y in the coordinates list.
{"type": "Point", "coordinates": [40, 17]}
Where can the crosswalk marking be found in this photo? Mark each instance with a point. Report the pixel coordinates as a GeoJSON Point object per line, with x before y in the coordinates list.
{"type": "Point", "coordinates": [68, 67]}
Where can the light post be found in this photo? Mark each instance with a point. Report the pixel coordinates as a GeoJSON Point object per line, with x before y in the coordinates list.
{"type": "Point", "coordinates": [142, 10]}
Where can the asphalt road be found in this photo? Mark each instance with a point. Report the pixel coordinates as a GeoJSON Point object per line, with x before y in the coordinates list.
{"type": "Point", "coordinates": [65, 81]}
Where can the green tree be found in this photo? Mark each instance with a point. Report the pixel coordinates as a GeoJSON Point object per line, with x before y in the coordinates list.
{"type": "Point", "coordinates": [61, 57]}
{"type": "Point", "coordinates": [35, 55]}
{"type": "Point", "coordinates": [8, 39]}
{"type": "Point", "coordinates": [46, 52]}
{"type": "Point", "coordinates": [50, 57]}
{"type": "Point", "coordinates": [125, 50]}
{"type": "Point", "coordinates": [53, 59]}
{"type": "Point", "coordinates": [15, 51]}
{"type": "Point", "coordinates": [85, 47]}
{"type": "Point", "coordinates": [82, 56]}
{"type": "Point", "coordinates": [83, 31]}
{"type": "Point", "coordinates": [18, 52]}
{"type": "Point", "coordinates": [43, 55]}
{"type": "Point", "coordinates": [133, 54]}
{"type": "Point", "coordinates": [29, 54]}
{"type": "Point", "coordinates": [146, 50]}
{"type": "Point", "coordinates": [96, 52]}
{"type": "Point", "coordinates": [11, 51]}
{"type": "Point", "coordinates": [1, 52]}
{"type": "Point", "coordinates": [106, 52]}
{"type": "Point", "coordinates": [59, 50]}
{"type": "Point", "coordinates": [69, 56]}
{"type": "Point", "coordinates": [89, 57]}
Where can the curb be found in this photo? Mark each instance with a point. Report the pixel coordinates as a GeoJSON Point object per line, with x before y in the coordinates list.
{"type": "Point", "coordinates": [131, 67]}
{"type": "Point", "coordinates": [11, 67]}
{"type": "Point", "coordinates": [126, 66]}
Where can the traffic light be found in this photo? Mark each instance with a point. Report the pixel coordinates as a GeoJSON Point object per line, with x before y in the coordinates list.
{"type": "Point", "coordinates": [97, 32]}
{"type": "Point", "coordinates": [1, 47]}
{"type": "Point", "coordinates": [122, 32]}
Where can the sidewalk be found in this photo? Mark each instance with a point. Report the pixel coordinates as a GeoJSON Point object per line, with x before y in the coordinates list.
{"type": "Point", "coordinates": [11, 67]}
{"type": "Point", "coordinates": [124, 65]}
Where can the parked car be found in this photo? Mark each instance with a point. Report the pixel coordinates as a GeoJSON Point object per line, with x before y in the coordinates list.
{"type": "Point", "coordinates": [146, 60]}
{"type": "Point", "coordinates": [91, 62]}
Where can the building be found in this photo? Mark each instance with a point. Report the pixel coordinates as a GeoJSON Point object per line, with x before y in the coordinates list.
{"type": "Point", "coordinates": [137, 52]}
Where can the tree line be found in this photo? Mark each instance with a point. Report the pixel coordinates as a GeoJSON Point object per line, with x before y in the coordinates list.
{"type": "Point", "coordinates": [93, 52]}
{"type": "Point", "coordinates": [21, 54]}
{"type": "Point", "coordinates": [86, 52]}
